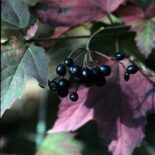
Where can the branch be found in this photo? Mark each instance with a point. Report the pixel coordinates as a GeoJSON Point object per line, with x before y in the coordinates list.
{"type": "Point", "coordinates": [75, 37]}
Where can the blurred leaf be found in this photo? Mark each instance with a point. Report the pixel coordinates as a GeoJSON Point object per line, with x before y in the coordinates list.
{"type": "Point", "coordinates": [60, 144]}
{"type": "Point", "coordinates": [30, 2]}
{"type": "Point", "coordinates": [145, 37]}
{"type": "Point", "coordinates": [146, 3]}
{"type": "Point", "coordinates": [15, 14]}
{"type": "Point", "coordinates": [17, 68]}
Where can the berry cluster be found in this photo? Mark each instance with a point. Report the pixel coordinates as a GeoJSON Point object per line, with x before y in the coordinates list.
{"type": "Point", "coordinates": [131, 69]}
{"type": "Point", "coordinates": [84, 74]}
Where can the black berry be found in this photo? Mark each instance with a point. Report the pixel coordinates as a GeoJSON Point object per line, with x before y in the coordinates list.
{"type": "Point", "coordinates": [119, 56]}
{"type": "Point", "coordinates": [68, 62]}
{"type": "Point", "coordinates": [126, 76]}
{"type": "Point", "coordinates": [105, 70]}
{"type": "Point", "coordinates": [99, 79]}
{"type": "Point", "coordinates": [61, 69]}
{"type": "Point", "coordinates": [63, 83]}
{"type": "Point", "coordinates": [53, 85]}
{"type": "Point", "coordinates": [78, 79]}
{"type": "Point", "coordinates": [62, 92]}
{"type": "Point", "coordinates": [73, 96]}
{"type": "Point", "coordinates": [87, 76]}
{"type": "Point", "coordinates": [75, 70]}
{"type": "Point", "coordinates": [132, 69]}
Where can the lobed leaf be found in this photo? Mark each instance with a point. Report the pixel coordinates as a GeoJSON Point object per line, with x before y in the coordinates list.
{"type": "Point", "coordinates": [119, 108]}
{"type": "Point", "coordinates": [72, 13]}
{"type": "Point", "coordinates": [18, 67]}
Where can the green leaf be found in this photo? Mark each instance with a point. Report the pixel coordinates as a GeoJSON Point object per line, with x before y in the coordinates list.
{"type": "Point", "coordinates": [60, 144]}
{"type": "Point", "coordinates": [30, 2]}
{"type": "Point", "coordinates": [17, 68]}
{"type": "Point", "coordinates": [15, 14]}
{"type": "Point", "coordinates": [145, 37]}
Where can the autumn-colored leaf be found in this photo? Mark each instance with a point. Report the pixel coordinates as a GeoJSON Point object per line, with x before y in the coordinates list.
{"type": "Point", "coordinates": [119, 108]}
{"type": "Point", "coordinates": [72, 13]}
{"type": "Point", "coordinates": [142, 23]}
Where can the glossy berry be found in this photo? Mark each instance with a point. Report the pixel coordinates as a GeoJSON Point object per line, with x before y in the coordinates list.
{"type": "Point", "coordinates": [99, 79]}
{"type": "Point", "coordinates": [105, 70]}
{"type": "Point", "coordinates": [62, 92]}
{"type": "Point", "coordinates": [68, 62]}
{"type": "Point", "coordinates": [119, 56]}
{"type": "Point", "coordinates": [78, 79]}
{"type": "Point", "coordinates": [132, 69]}
{"type": "Point", "coordinates": [53, 85]}
{"type": "Point", "coordinates": [75, 70]}
{"type": "Point", "coordinates": [126, 76]}
{"type": "Point", "coordinates": [73, 96]}
{"type": "Point", "coordinates": [61, 69]}
{"type": "Point", "coordinates": [87, 76]}
{"type": "Point", "coordinates": [63, 84]}
{"type": "Point", "coordinates": [96, 72]}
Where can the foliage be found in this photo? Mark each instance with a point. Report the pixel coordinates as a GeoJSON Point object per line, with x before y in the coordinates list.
{"type": "Point", "coordinates": [34, 32]}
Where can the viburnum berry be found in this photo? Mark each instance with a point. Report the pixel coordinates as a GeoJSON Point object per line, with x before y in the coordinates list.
{"type": "Point", "coordinates": [119, 55]}
{"type": "Point", "coordinates": [75, 70]}
{"type": "Point", "coordinates": [61, 69]}
{"type": "Point", "coordinates": [73, 96]}
{"type": "Point", "coordinates": [68, 62]}
{"type": "Point", "coordinates": [63, 83]}
{"type": "Point", "coordinates": [53, 85]}
{"type": "Point", "coordinates": [105, 70]}
{"type": "Point", "coordinates": [132, 69]}
{"type": "Point", "coordinates": [126, 76]}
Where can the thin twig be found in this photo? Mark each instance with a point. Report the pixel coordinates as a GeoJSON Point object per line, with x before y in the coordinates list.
{"type": "Point", "coordinates": [75, 37]}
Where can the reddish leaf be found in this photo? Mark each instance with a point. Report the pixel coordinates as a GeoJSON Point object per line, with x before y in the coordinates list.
{"type": "Point", "coordinates": [119, 109]}
{"type": "Point", "coordinates": [144, 28]}
{"type": "Point", "coordinates": [72, 13]}
{"type": "Point", "coordinates": [150, 12]}
{"type": "Point", "coordinates": [129, 16]}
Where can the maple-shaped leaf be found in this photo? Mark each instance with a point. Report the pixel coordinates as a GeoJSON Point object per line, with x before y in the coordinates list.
{"type": "Point", "coordinates": [72, 13]}
{"type": "Point", "coordinates": [60, 144]}
{"type": "Point", "coordinates": [17, 67]}
{"type": "Point", "coordinates": [145, 37]}
{"type": "Point", "coordinates": [119, 108]}
{"type": "Point", "coordinates": [142, 23]}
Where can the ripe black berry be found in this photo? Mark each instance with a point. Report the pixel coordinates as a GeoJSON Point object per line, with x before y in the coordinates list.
{"type": "Point", "coordinates": [126, 76]}
{"type": "Point", "coordinates": [75, 70]}
{"type": "Point", "coordinates": [61, 69]}
{"type": "Point", "coordinates": [99, 79]}
{"type": "Point", "coordinates": [87, 76]}
{"type": "Point", "coordinates": [119, 56]}
{"type": "Point", "coordinates": [73, 96]}
{"type": "Point", "coordinates": [63, 84]}
{"type": "Point", "coordinates": [53, 85]}
{"type": "Point", "coordinates": [105, 70]}
{"type": "Point", "coordinates": [78, 79]}
{"type": "Point", "coordinates": [63, 92]}
{"type": "Point", "coordinates": [132, 69]}
{"type": "Point", "coordinates": [68, 62]}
